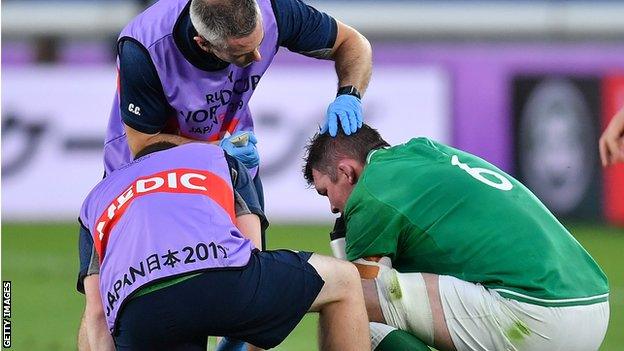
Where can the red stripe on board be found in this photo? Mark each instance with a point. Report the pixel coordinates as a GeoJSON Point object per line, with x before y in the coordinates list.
{"type": "Point", "coordinates": [180, 181]}
{"type": "Point", "coordinates": [613, 176]}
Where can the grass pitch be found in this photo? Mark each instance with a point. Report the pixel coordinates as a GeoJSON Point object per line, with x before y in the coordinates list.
{"type": "Point", "coordinates": [41, 260]}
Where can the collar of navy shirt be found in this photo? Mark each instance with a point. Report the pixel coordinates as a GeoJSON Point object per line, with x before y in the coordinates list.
{"type": "Point", "coordinates": [183, 34]}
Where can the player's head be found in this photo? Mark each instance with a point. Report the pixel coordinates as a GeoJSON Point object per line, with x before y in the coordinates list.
{"type": "Point", "coordinates": [334, 164]}
{"type": "Point", "coordinates": [229, 29]}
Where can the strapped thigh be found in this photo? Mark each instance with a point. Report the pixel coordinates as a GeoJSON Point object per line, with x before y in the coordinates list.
{"type": "Point", "coordinates": [405, 304]}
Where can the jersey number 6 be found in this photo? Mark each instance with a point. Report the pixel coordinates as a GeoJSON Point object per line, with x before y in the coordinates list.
{"type": "Point", "coordinates": [477, 173]}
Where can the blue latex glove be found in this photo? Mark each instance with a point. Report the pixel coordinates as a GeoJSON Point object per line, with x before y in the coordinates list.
{"type": "Point", "coordinates": [246, 153]}
{"type": "Point", "coordinates": [347, 109]}
{"type": "Point", "coordinates": [228, 344]}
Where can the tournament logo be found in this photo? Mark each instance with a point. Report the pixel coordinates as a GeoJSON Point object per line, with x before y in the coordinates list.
{"type": "Point", "coordinates": [554, 135]}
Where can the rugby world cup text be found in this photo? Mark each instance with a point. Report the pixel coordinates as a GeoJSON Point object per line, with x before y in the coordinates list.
{"type": "Point", "coordinates": [211, 116]}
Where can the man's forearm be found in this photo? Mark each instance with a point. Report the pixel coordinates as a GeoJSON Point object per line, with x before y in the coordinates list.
{"type": "Point", "coordinates": [83, 338]}
{"type": "Point", "coordinates": [98, 335]}
{"type": "Point", "coordinates": [354, 59]}
{"type": "Point", "coordinates": [94, 334]}
{"type": "Point", "coordinates": [249, 225]}
{"type": "Point", "coordinates": [100, 339]}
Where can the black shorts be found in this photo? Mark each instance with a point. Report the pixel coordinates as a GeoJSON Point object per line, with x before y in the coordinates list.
{"type": "Point", "coordinates": [260, 304]}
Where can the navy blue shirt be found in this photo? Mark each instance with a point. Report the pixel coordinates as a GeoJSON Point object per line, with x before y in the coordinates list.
{"type": "Point", "coordinates": [301, 28]}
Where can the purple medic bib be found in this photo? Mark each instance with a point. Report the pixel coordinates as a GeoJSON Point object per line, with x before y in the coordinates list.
{"type": "Point", "coordinates": [166, 214]}
{"type": "Point", "coordinates": [208, 104]}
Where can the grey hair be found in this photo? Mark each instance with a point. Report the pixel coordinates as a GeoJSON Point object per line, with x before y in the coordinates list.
{"type": "Point", "coordinates": [218, 20]}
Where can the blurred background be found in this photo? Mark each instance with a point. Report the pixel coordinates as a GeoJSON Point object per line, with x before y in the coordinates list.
{"type": "Point", "coordinates": [527, 85]}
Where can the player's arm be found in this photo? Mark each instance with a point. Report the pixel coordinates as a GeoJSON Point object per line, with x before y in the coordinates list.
{"type": "Point", "coordinates": [612, 141]}
{"type": "Point", "coordinates": [249, 215]}
{"type": "Point", "coordinates": [369, 267]}
{"type": "Point", "coordinates": [353, 58]}
{"type": "Point", "coordinates": [95, 327]}
{"type": "Point", "coordinates": [249, 226]}
{"type": "Point", "coordinates": [372, 233]}
{"type": "Point", "coordinates": [93, 333]}
{"type": "Point", "coordinates": [250, 218]}
{"type": "Point", "coordinates": [144, 107]}
{"type": "Point", "coordinates": [145, 111]}
{"type": "Point", "coordinates": [310, 32]}
{"type": "Point", "coordinates": [83, 339]}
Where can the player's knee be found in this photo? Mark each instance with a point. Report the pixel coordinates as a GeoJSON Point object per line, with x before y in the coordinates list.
{"type": "Point", "coordinates": [348, 278]}
{"type": "Point", "coordinates": [341, 277]}
{"type": "Point", "coordinates": [333, 269]}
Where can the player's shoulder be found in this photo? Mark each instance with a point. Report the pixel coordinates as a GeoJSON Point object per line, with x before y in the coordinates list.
{"type": "Point", "coordinates": [421, 146]}
{"type": "Point", "coordinates": [392, 167]}
{"type": "Point", "coordinates": [395, 158]}
{"type": "Point", "coordinates": [376, 178]}
{"type": "Point", "coordinates": [412, 147]}
{"type": "Point", "coordinates": [90, 202]}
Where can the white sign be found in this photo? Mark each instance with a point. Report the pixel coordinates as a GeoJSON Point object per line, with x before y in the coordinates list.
{"type": "Point", "coordinates": [401, 102]}
{"type": "Point", "coordinates": [54, 120]}
{"type": "Point", "coordinates": [47, 115]}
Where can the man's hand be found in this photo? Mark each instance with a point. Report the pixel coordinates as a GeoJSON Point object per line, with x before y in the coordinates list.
{"type": "Point", "coordinates": [612, 141]}
{"type": "Point", "coordinates": [347, 109]}
{"type": "Point", "coordinates": [246, 152]}
{"type": "Point", "coordinates": [353, 59]}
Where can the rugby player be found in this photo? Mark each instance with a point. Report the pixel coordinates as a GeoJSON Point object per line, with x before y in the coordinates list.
{"type": "Point", "coordinates": [168, 251]}
{"type": "Point", "coordinates": [476, 261]}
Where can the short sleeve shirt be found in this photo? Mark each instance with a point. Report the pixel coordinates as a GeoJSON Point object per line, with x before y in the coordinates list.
{"type": "Point", "coordinates": [301, 28]}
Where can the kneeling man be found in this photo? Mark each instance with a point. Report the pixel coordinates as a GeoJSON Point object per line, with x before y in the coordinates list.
{"type": "Point", "coordinates": [169, 256]}
{"type": "Point", "coordinates": [478, 262]}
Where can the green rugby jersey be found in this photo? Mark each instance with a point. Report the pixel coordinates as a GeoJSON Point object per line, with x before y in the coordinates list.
{"type": "Point", "coordinates": [435, 209]}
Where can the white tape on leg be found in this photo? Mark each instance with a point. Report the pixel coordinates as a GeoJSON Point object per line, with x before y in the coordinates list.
{"type": "Point", "coordinates": [338, 248]}
{"type": "Point", "coordinates": [405, 303]}
{"type": "Point", "coordinates": [372, 267]}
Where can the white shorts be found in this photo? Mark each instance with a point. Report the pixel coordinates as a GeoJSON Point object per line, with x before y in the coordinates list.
{"type": "Point", "coordinates": [481, 319]}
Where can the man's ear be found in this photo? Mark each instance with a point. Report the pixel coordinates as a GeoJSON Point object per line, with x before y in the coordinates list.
{"type": "Point", "coordinates": [202, 43]}
{"type": "Point", "coordinates": [347, 170]}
